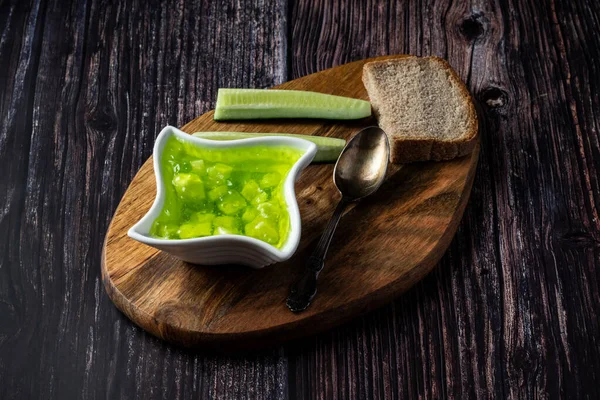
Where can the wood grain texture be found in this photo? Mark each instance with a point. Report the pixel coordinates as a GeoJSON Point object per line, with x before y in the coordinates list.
{"type": "Point", "coordinates": [384, 245]}
{"type": "Point", "coordinates": [84, 89]}
{"type": "Point", "coordinates": [512, 310]}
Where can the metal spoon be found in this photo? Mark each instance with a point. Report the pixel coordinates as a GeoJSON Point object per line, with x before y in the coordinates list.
{"type": "Point", "coordinates": [359, 172]}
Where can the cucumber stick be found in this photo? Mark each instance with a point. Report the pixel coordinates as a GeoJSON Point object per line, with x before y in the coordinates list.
{"type": "Point", "coordinates": [263, 104]}
{"type": "Point", "coordinates": [328, 149]}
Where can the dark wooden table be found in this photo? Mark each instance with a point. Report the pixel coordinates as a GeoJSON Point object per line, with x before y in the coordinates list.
{"type": "Point", "coordinates": [512, 310]}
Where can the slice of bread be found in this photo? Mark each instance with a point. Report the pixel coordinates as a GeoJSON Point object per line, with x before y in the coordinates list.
{"type": "Point", "coordinates": [424, 108]}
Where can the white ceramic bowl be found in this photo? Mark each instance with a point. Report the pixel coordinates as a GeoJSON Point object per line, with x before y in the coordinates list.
{"type": "Point", "coordinates": [226, 249]}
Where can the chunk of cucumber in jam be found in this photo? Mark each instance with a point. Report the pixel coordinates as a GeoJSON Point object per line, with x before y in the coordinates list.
{"type": "Point", "coordinates": [224, 192]}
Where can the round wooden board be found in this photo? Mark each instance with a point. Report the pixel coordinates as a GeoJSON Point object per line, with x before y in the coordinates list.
{"type": "Point", "coordinates": [383, 245]}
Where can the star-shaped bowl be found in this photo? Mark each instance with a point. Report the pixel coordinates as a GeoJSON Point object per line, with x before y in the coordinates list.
{"type": "Point", "coordinates": [226, 249]}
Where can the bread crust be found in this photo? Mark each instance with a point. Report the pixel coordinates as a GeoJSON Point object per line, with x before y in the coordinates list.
{"type": "Point", "coordinates": [407, 150]}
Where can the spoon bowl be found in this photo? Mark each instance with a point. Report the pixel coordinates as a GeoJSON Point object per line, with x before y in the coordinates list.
{"type": "Point", "coordinates": [362, 165]}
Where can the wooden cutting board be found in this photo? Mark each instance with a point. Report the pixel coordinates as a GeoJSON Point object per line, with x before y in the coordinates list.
{"type": "Point", "coordinates": [383, 245]}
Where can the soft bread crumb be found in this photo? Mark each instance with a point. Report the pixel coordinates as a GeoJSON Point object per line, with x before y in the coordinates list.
{"type": "Point", "coordinates": [423, 106]}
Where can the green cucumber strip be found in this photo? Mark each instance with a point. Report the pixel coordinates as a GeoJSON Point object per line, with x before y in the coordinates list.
{"type": "Point", "coordinates": [263, 104]}
{"type": "Point", "coordinates": [328, 149]}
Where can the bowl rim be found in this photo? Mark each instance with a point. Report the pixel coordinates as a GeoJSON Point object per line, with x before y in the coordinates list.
{"type": "Point", "coordinates": [290, 245]}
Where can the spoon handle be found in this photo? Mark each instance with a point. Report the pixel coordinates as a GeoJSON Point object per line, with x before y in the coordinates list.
{"type": "Point", "coordinates": [305, 288]}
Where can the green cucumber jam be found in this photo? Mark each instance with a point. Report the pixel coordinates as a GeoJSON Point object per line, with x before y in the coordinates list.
{"type": "Point", "coordinates": [216, 191]}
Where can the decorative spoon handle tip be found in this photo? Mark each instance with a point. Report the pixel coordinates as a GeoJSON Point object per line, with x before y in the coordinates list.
{"type": "Point", "coordinates": [304, 289]}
